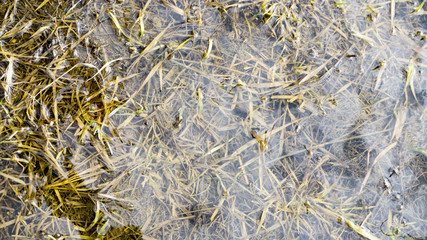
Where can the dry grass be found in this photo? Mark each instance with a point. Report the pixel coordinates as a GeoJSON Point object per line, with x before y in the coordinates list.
{"type": "Point", "coordinates": [165, 119]}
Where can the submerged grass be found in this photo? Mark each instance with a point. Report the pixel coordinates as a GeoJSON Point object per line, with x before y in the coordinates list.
{"type": "Point", "coordinates": [212, 120]}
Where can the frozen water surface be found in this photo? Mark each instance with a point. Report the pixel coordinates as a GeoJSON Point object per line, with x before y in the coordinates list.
{"type": "Point", "coordinates": [180, 119]}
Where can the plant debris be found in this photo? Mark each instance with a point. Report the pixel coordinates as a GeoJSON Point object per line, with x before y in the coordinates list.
{"type": "Point", "coordinates": [158, 119]}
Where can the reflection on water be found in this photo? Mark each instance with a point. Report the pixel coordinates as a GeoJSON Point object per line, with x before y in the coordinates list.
{"type": "Point", "coordinates": [305, 118]}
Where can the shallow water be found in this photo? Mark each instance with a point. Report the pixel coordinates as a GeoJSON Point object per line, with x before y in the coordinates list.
{"type": "Point", "coordinates": [293, 127]}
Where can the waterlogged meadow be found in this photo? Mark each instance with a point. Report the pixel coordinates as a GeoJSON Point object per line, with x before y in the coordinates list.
{"type": "Point", "coordinates": [213, 119]}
